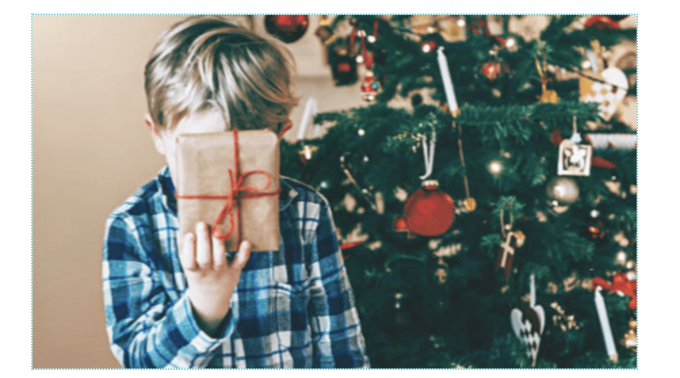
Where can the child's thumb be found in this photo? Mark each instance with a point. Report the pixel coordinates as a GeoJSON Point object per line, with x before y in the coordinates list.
{"type": "Point", "coordinates": [243, 254]}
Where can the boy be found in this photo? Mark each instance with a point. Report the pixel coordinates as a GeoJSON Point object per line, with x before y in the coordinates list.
{"type": "Point", "coordinates": [201, 307]}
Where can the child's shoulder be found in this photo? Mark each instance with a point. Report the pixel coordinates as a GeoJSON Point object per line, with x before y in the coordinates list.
{"type": "Point", "coordinates": [141, 204]}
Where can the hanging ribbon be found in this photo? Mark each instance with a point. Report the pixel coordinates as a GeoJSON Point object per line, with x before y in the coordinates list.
{"type": "Point", "coordinates": [541, 73]}
{"type": "Point", "coordinates": [428, 152]}
{"type": "Point", "coordinates": [368, 60]}
{"type": "Point", "coordinates": [238, 192]}
{"type": "Point", "coordinates": [620, 284]}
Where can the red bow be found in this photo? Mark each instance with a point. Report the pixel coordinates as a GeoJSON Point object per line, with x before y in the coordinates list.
{"type": "Point", "coordinates": [237, 189]}
{"type": "Point", "coordinates": [620, 284]}
{"type": "Point", "coordinates": [601, 23]}
{"type": "Point", "coordinates": [597, 161]}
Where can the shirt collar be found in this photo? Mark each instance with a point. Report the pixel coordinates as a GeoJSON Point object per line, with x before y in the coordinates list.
{"type": "Point", "coordinates": [167, 191]}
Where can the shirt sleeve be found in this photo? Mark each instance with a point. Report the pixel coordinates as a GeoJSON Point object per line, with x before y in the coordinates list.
{"type": "Point", "coordinates": [145, 328]}
{"type": "Point", "coordinates": [336, 329]}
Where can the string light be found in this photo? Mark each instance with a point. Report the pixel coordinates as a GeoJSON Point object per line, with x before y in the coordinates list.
{"type": "Point", "coordinates": [585, 65]}
{"type": "Point", "coordinates": [361, 132]}
{"type": "Point", "coordinates": [360, 59]}
{"type": "Point", "coordinates": [510, 43]}
{"type": "Point", "coordinates": [495, 167]}
{"type": "Point", "coordinates": [308, 153]}
{"type": "Point", "coordinates": [621, 258]}
{"type": "Point", "coordinates": [594, 213]}
{"type": "Point", "coordinates": [461, 22]}
{"type": "Point", "coordinates": [427, 48]}
{"type": "Point", "coordinates": [370, 39]}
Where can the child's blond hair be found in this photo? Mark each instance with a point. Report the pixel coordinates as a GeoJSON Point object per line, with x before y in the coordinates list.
{"type": "Point", "coordinates": [209, 63]}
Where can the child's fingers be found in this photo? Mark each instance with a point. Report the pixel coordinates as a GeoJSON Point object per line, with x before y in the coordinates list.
{"type": "Point", "coordinates": [219, 251]}
{"type": "Point", "coordinates": [242, 256]}
{"type": "Point", "coordinates": [187, 256]}
{"type": "Point", "coordinates": [203, 250]}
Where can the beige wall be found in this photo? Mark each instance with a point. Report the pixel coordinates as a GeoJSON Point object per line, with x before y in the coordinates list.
{"type": "Point", "coordinates": [90, 151]}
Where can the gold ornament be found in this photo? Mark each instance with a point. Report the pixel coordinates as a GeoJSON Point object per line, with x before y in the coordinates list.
{"type": "Point", "coordinates": [520, 238]}
{"type": "Point", "coordinates": [549, 96]}
{"type": "Point", "coordinates": [630, 340]}
{"type": "Point", "coordinates": [442, 269]}
{"type": "Point", "coordinates": [565, 322]}
{"type": "Point", "coordinates": [563, 189]}
{"type": "Point", "coordinates": [470, 204]}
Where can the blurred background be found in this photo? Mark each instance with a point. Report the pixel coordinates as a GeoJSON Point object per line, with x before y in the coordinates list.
{"type": "Point", "coordinates": [91, 150]}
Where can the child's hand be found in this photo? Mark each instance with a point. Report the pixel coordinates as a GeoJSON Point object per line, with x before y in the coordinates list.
{"type": "Point", "coordinates": [211, 278]}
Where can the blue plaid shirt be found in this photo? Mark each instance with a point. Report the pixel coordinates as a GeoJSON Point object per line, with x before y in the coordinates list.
{"type": "Point", "coordinates": [292, 308]}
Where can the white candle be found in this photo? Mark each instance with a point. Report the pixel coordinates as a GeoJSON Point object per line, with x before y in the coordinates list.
{"type": "Point", "coordinates": [604, 324]}
{"type": "Point", "coordinates": [310, 110]}
{"type": "Point", "coordinates": [446, 78]}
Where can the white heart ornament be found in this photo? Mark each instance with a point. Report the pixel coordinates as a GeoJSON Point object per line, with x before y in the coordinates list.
{"type": "Point", "coordinates": [528, 324]}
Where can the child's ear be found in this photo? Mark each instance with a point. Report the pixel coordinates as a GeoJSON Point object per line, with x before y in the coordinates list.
{"type": "Point", "coordinates": [155, 134]}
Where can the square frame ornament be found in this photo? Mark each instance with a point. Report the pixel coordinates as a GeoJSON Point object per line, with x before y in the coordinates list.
{"type": "Point", "coordinates": [574, 159]}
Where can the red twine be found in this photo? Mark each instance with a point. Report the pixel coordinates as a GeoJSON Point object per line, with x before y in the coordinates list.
{"type": "Point", "coordinates": [238, 191]}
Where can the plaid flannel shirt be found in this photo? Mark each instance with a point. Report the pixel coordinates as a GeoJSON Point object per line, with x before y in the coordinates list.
{"type": "Point", "coordinates": [292, 308]}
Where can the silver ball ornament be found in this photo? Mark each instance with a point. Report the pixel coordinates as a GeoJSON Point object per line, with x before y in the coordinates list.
{"type": "Point", "coordinates": [563, 190]}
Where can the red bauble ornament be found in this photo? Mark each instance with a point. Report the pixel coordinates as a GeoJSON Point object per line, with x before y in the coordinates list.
{"type": "Point", "coordinates": [492, 70]}
{"type": "Point", "coordinates": [287, 28]}
{"type": "Point", "coordinates": [429, 211]}
{"type": "Point", "coordinates": [400, 225]}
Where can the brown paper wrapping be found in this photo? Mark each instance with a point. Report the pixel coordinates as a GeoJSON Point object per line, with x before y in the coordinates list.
{"type": "Point", "coordinates": [203, 161]}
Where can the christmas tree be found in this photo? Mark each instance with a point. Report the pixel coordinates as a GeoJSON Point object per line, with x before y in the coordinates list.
{"type": "Point", "coordinates": [535, 182]}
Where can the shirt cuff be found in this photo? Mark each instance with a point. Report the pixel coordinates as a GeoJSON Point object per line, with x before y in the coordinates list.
{"type": "Point", "coordinates": [192, 331]}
